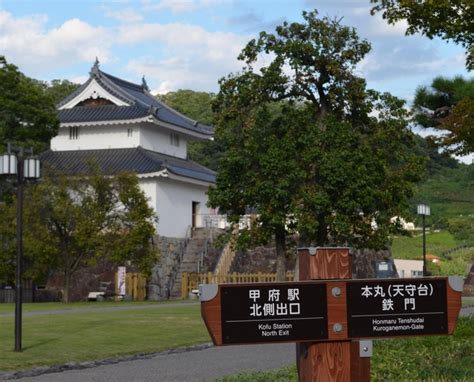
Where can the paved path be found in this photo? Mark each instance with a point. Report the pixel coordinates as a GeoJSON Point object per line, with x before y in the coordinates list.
{"type": "Point", "coordinates": [197, 365]}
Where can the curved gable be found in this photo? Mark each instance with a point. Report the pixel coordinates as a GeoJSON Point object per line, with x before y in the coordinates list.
{"type": "Point", "coordinates": [94, 91]}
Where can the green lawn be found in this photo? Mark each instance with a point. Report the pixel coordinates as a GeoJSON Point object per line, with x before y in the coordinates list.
{"type": "Point", "coordinates": [94, 335]}
{"type": "Point", "coordinates": [27, 307]}
{"type": "Point", "coordinates": [430, 358]}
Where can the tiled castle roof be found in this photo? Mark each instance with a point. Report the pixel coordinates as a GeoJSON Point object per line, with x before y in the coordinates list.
{"type": "Point", "coordinates": [138, 98]}
{"type": "Point", "coordinates": [114, 161]}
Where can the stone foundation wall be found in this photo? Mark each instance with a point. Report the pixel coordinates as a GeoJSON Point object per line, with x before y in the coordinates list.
{"type": "Point", "coordinates": [363, 262]}
{"type": "Point", "coordinates": [84, 281]}
{"type": "Point", "coordinates": [260, 259]}
{"type": "Point", "coordinates": [469, 283]}
{"type": "Point", "coordinates": [163, 274]}
{"type": "Point", "coordinates": [263, 259]}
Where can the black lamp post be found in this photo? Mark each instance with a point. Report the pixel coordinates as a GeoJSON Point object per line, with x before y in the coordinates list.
{"type": "Point", "coordinates": [424, 210]}
{"type": "Point", "coordinates": [14, 163]}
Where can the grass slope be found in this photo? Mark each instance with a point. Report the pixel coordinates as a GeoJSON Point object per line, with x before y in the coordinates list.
{"type": "Point", "coordinates": [411, 248]}
{"type": "Point", "coordinates": [406, 247]}
{"type": "Point", "coordinates": [449, 192]}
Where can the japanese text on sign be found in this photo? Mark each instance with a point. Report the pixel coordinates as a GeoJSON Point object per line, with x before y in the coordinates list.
{"type": "Point", "coordinates": [278, 312]}
{"type": "Point", "coordinates": [397, 307]}
{"type": "Point", "coordinates": [408, 291]}
{"type": "Point", "coordinates": [271, 305]}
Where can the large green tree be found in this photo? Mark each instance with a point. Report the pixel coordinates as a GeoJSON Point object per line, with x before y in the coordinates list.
{"type": "Point", "coordinates": [301, 146]}
{"type": "Point", "coordinates": [448, 105]}
{"type": "Point", "coordinates": [448, 19]}
{"type": "Point", "coordinates": [72, 222]}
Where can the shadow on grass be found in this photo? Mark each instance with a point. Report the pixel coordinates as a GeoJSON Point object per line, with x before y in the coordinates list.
{"type": "Point", "coordinates": [40, 343]}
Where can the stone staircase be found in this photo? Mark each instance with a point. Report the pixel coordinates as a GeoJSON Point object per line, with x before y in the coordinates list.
{"type": "Point", "coordinates": [192, 257]}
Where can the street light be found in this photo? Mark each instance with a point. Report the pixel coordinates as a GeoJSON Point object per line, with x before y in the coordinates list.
{"type": "Point", "coordinates": [15, 163]}
{"type": "Point", "coordinates": [424, 210]}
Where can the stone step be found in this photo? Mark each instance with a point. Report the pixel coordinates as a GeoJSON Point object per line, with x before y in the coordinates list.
{"type": "Point", "coordinates": [191, 258]}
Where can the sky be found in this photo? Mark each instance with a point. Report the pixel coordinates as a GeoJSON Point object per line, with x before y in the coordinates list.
{"type": "Point", "coordinates": [191, 44]}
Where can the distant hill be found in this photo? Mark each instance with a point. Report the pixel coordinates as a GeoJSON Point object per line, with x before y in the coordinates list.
{"type": "Point", "coordinates": [449, 192]}
{"type": "Point", "coordinates": [447, 186]}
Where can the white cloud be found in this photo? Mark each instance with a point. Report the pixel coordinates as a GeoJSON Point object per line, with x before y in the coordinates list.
{"type": "Point", "coordinates": [179, 6]}
{"type": "Point", "coordinates": [182, 72]}
{"type": "Point", "coordinates": [376, 26]}
{"type": "Point", "coordinates": [412, 58]}
{"type": "Point", "coordinates": [79, 79]}
{"type": "Point", "coordinates": [27, 43]}
{"type": "Point", "coordinates": [183, 55]}
{"type": "Point", "coordinates": [182, 35]}
{"type": "Point", "coordinates": [127, 15]}
{"type": "Point", "coordinates": [191, 57]}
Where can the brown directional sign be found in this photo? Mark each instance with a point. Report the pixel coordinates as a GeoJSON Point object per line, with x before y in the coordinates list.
{"type": "Point", "coordinates": [393, 308]}
{"type": "Point", "coordinates": [273, 313]}
{"type": "Point", "coordinates": [330, 310]}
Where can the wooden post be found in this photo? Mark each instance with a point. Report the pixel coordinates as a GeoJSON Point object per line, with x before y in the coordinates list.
{"type": "Point", "coordinates": [338, 361]}
{"type": "Point", "coordinates": [184, 285]}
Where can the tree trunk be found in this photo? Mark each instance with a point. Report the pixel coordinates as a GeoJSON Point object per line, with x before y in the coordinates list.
{"type": "Point", "coordinates": [322, 234]}
{"type": "Point", "coordinates": [67, 284]}
{"type": "Point", "coordinates": [280, 240]}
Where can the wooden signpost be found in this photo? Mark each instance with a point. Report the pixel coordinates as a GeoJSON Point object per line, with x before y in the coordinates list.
{"type": "Point", "coordinates": [330, 319]}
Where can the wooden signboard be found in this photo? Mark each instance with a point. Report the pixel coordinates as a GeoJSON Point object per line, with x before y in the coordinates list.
{"type": "Point", "coordinates": [273, 313]}
{"type": "Point", "coordinates": [330, 316]}
{"type": "Point", "coordinates": [387, 308]}
{"type": "Point", "coordinates": [299, 311]}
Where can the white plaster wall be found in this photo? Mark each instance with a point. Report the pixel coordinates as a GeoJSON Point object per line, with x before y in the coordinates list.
{"type": "Point", "coordinates": [405, 267]}
{"type": "Point", "coordinates": [174, 206]}
{"type": "Point", "coordinates": [148, 186]}
{"type": "Point", "coordinates": [97, 137]}
{"type": "Point", "coordinates": [155, 139]}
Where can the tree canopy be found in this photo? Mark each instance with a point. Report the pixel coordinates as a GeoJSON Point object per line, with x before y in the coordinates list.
{"type": "Point", "coordinates": [448, 105]}
{"type": "Point", "coordinates": [72, 222]}
{"type": "Point", "coordinates": [448, 19]}
{"type": "Point", "coordinates": [27, 113]}
{"type": "Point", "coordinates": [303, 145]}
{"type": "Point", "coordinates": [57, 90]}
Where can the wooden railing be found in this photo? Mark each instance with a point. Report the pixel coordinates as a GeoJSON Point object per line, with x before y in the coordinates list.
{"type": "Point", "coordinates": [227, 256]}
{"type": "Point", "coordinates": [190, 281]}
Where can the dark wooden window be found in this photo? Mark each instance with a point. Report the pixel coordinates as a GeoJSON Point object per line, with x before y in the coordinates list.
{"type": "Point", "coordinates": [174, 139]}
{"type": "Point", "coordinates": [74, 133]}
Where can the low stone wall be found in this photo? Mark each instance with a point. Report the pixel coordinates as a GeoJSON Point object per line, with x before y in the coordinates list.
{"type": "Point", "coordinates": [263, 259]}
{"type": "Point", "coordinates": [260, 259]}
